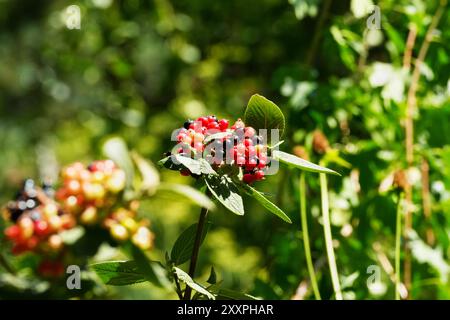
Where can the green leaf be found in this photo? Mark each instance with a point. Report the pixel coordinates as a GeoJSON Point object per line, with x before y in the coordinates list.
{"type": "Point", "coordinates": [276, 144]}
{"type": "Point", "coordinates": [190, 193]}
{"type": "Point", "coordinates": [152, 271]}
{"type": "Point", "coordinates": [265, 202]}
{"type": "Point", "coordinates": [224, 190]}
{"type": "Point", "coordinates": [149, 174]}
{"type": "Point", "coordinates": [262, 113]}
{"type": "Point", "coordinates": [184, 277]}
{"type": "Point", "coordinates": [300, 163]}
{"type": "Point", "coordinates": [116, 149]}
{"type": "Point", "coordinates": [212, 279]}
{"type": "Point", "coordinates": [196, 166]}
{"type": "Point", "coordinates": [184, 245]}
{"type": "Point", "coordinates": [227, 294]}
{"type": "Point", "coordinates": [118, 273]}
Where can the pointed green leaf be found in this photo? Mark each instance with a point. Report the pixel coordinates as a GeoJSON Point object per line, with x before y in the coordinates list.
{"type": "Point", "coordinates": [266, 203]}
{"type": "Point", "coordinates": [152, 271]}
{"type": "Point", "coordinates": [118, 273]}
{"type": "Point", "coordinates": [212, 279]}
{"type": "Point", "coordinates": [262, 113]}
{"type": "Point", "coordinates": [184, 245]}
{"type": "Point", "coordinates": [224, 190]}
{"type": "Point", "coordinates": [300, 163]}
{"type": "Point", "coordinates": [184, 277]}
{"type": "Point", "coordinates": [227, 294]}
{"type": "Point", "coordinates": [196, 166]}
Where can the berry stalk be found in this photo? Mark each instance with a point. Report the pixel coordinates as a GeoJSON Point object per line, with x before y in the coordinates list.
{"type": "Point", "coordinates": [306, 244]}
{"type": "Point", "coordinates": [398, 235]}
{"type": "Point", "coordinates": [328, 236]}
{"type": "Point", "coordinates": [196, 249]}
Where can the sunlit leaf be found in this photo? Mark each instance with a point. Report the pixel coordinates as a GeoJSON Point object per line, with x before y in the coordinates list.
{"type": "Point", "coordinates": [265, 202]}
{"type": "Point", "coordinates": [224, 190]}
{"type": "Point", "coordinates": [300, 163]}
{"type": "Point", "coordinates": [184, 277]}
{"type": "Point", "coordinates": [262, 113]}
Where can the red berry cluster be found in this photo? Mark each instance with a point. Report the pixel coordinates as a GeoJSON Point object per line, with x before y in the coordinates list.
{"type": "Point", "coordinates": [38, 221]}
{"type": "Point", "coordinates": [51, 268]}
{"type": "Point", "coordinates": [88, 195]}
{"type": "Point", "coordinates": [241, 147]}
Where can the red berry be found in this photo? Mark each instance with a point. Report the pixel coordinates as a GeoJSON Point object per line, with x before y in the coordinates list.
{"type": "Point", "coordinates": [185, 172]}
{"type": "Point", "coordinates": [261, 164]}
{"type": "Point", "coordinates": [19, 248]}
{"type": "Point", "coordinates": [213, 126]}
{"type": "Point", "coordinates": [248, 142]}
{"type": "Point", "coordinates": [41, 228]}
{"type": "Point", "coordinates": [249, 132]}
{"type": "Point", "coordinates": [181, 137]}
{"type": "Point", "coordinates": [223, 124]}
{"type": "Point", "coordinates": [248, 178]}
{"type": "Point", "coordinates": [262, 157]}
{"type": "Point", "coordinates": [96, 166]}
{"type": "Point", "coordinates": [212, 119]}
{"type": "Point", "coordinates": [251, 164]}
{"type": "Point", "coordinates": [240, 148]}
{"type": "Point", "coordinates": [32, 243]}
{"type": "Point", "coordinates": [240, 160]}
{"type": "Point", "coordinates": [251, 152]}
{"type": "Point", "coordinates": [198, 146]}
{"type": "Point", "coordinates": [203, 120]}
{"type": "Point", "coordinates": [259, 175]}
{"type": "Point", "coordinates": [13, 232]}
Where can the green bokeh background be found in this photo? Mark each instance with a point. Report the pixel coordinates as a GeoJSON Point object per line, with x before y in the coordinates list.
{"type": "Point", "coordinates": [138, 69]}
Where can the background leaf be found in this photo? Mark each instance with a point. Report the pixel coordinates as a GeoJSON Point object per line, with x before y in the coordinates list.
{"type": "Point", "coordinates": [116, 149]}
{"type": "Point", "coordinates": [149, 174]}
{"type": "Point", "coordinates": [118, 273]}
{"type": "Point", "coordinates": [195, 196]}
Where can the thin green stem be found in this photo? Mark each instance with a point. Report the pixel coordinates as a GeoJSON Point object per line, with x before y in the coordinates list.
{"type": "Point", "coordinates": [197, 243]}
{"type": "Point", "coordinates": [328, 236]}
{"type": "Point", "coordinates": [306, 243]}
{"type": "Point", "coordinates": [5, 264]}
{"type": "Point", "coordinates": [398, 235]}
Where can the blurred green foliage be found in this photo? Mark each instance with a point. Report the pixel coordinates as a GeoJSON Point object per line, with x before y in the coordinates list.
{"type": "Point", "coordinates": [138, 68]}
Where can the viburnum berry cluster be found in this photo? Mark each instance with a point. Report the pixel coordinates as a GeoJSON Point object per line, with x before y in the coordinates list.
{"type": "Point", "coordinates": [37, 219]}
{"type": "Point", "coordinates": [89, 195]}
{"type": "Point", "coordinates": [221, 145]}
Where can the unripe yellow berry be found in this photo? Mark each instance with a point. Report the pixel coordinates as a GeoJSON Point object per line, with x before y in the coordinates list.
{"type": "Point", "coordinates": [119, 232]}
{"type": "Point", "coordinates": [89, 216]}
